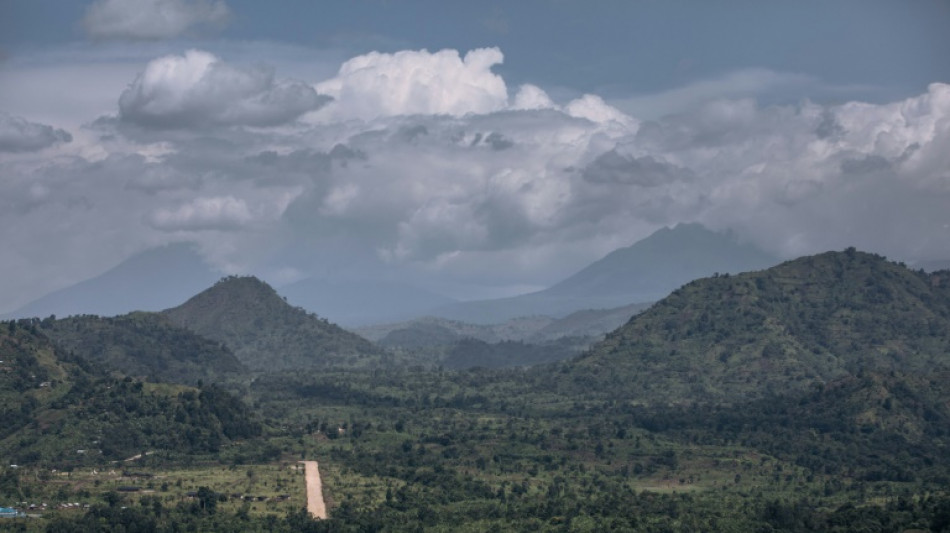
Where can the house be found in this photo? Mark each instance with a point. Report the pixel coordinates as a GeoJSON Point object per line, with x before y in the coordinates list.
{"type": "Point", "coordinates": [8, 512]}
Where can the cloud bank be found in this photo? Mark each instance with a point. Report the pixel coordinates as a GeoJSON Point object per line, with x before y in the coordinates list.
{"type": "Point", "coordinates": [151, 19]}
{"type": "Point", "coordinates": [411, 82]}
{"type": "Point", "coordinates": [429, 165]}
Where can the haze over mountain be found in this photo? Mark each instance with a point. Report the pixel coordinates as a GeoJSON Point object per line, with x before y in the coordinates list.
{"type": "Point", "coordinates": [163, 277]}
{"type": "Point", "coordinates": [427, 332]}
{"type": "Point", "coordinates": [152, 280]}
{"type": "Point", "coordinates": [356, 303]}
{"type": "Point", "coordinates": [267, 333]}
{"type": "Point", "coordinates": [790, 328]}
{"type": "Point", "coordinates": [643, 272]}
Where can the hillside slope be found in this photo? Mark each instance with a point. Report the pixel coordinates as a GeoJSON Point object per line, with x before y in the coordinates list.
{"type": "Point", "coordinates": [266, 333]}
{"type": "Point", "coordinates": [145, 345]}
{"type": "Point", "coordinates": [788, 328]}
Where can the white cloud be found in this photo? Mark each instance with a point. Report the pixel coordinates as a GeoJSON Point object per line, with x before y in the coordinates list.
{"type": "Point", "coordinates": [532, 97]}
{"type": "Point", "coordinates": [151, 19]}
{"type": "Point", "coordinates": [20, 135]}
{"type": "Point", "coordinates": [772, 173]}
{"type": "Point", "coordinates": [197, 90]}
{"type": "Point", "coordinates": [416, 82]}
{"type": "Point", "coordinates": [593, 108]}
{"type": "Point", "coordinates": [378, 85]}
{"type": "Point", "coordinates": [463, 190]}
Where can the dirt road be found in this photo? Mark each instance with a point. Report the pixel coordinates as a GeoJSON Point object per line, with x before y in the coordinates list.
{"type": "Point", "coordinates": [315, 503]}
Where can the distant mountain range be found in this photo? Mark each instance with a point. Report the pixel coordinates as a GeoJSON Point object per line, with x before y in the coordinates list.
{"type": "Point", "coordinates": [644, 272]}
{"type": "Point", "coordinates": [427, 332]}
{"type": "Point", "coordinates": [357, 303]}
{"type": "Point", "coordinates": [152, 280]}
{"type": "Point", "coordinates": [726, 337]}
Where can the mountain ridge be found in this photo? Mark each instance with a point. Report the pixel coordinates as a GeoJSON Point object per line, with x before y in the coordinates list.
{"type": "Point", "coordinates": [640, 273]}
{"type": "Point", "coordinates": [151, 280]}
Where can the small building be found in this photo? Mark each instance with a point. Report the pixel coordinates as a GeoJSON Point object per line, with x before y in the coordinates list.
{"type": "Point", "coordinates": [9, 512]}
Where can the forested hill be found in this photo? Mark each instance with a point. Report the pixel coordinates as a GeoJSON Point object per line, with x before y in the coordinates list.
{"type": "Point", "coordinates": [144, 345]}
{"type": "Point", "coordinates": [266, 333]}
{"type": "Point", "coordinates": [790, 328]}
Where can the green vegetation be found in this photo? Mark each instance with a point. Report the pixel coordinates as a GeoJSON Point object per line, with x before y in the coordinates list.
{"type": "Point", "coordinates": [809, 397]}
{"type": "Point", "coordinates": [266, 333]}
{"type": "Point", "coordinates": [64, 412]}
{"type": "Point", "coordinates": [470, 353]}
{"type": "Point", "coordinates": [787, 329]}
{"type": "Point", "coordinates": [145, 345]}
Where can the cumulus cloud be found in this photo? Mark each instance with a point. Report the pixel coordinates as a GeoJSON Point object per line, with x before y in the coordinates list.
{"type": "Point", "coordinates": [772, 173]}
{"type": "Point", "coordinates": [20, 135]}
{"type": "Point", "coordinates": [417, 82]}
{"type": "Point", "coordinates": [151, 19]}
{"type": "Point", "coordinates": [198, 90]}
{"type": "Point", "coordinates": [593, 107]}
{"type": "Point", "coordinates": [411, 82]}
{"type": "Point", "coordinates": [532, 97]}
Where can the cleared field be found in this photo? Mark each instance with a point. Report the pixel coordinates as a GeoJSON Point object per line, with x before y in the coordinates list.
{"type": "Point", "coordinates": [315, 503]}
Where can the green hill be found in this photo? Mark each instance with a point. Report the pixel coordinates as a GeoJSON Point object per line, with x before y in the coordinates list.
{"type": "Point", "coordinates": [145, 345]}
{"type": "Point", "coordinates": [789, 328]}
{"type": "Point", "coordinates": [268, 334]}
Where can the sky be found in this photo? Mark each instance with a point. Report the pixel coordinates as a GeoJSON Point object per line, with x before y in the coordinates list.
{"type": "Point", "coordinates": [472, 149]}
